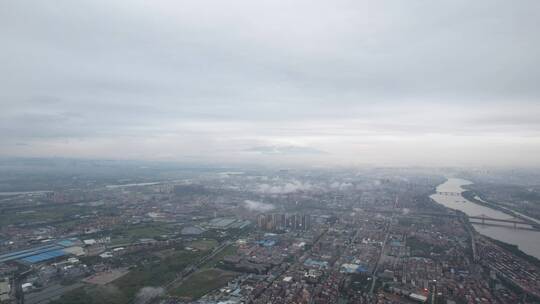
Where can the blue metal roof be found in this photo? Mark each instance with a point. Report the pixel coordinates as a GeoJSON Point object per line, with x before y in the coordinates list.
{"type": "Point", "coordinates": [23, 251]}
{"type": "Point", "coordinates": [361, 269]}
{"type": "Point", "coordinates": [66, 243]}
{"type": "Point", "coordinates": [44, 256]}
{"type": "Point", "coordinates": [40, 253]}
{"type": "Point", "coordinates": [311, 263]}
{"type": "Point", "coordinates": [29, 252]}
{"type": "Point", "coordinates": [267, 243]}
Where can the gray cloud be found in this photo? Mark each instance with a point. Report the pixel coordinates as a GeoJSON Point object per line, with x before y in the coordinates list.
{"type": "Point", "coordinates": [281, 150]}
{"type": "Point", "coordinates": [359, 80]}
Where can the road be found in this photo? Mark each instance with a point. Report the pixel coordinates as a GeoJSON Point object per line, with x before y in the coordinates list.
{"type": "Point", "coordinates": [381, 255]}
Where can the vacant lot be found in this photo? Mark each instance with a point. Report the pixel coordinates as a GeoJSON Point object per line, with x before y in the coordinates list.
{"type": "Point", "coordinates": [106, 277]}
{"type": "Point", "coordinates": [129, 234]}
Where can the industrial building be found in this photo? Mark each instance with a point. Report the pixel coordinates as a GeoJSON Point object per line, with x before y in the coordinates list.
{"type": "Point", "coordinates": [45, 252]}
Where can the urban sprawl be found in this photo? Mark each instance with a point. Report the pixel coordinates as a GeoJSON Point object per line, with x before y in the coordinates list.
{"type": "Point", "coordinates": [281, 236]}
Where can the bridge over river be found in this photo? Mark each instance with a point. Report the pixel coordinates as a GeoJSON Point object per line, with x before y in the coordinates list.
{"type": "Point", "coordinates": [513, 228]}
{"type": "Point", "coordinates": [474, 219]}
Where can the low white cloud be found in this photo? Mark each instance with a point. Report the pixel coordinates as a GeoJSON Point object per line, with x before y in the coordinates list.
{"type": "Point", "coordinates": [341, 185]}
{"type": "Point", "coordinates": [284, 188]}
{"type": "Point", "coordinates": [258, 206]}
{"type": "Point", "coordinates": [146, 294]}
{"type": "Point", "coordinates": [285, 150]}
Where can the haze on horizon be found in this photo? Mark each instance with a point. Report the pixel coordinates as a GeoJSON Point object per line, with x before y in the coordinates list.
{"type": "Point", "coordinates": [311, 82]}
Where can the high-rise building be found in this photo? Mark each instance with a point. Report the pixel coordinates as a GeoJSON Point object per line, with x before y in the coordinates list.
{"type": "Point", "coordinates": [261, 221]}
{"type": "Point", "coordinates": [281, 221]}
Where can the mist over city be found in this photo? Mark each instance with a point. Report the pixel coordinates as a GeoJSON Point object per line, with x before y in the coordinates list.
{"type": "Point", "coordinates": [235, 152]}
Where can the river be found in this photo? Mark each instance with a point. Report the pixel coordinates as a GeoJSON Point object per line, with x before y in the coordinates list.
{"type": "Point", "coordinates": [528, 241]}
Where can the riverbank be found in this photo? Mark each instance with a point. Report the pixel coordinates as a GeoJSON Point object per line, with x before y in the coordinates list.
{"type": "Point", "coordinates": [514, 249]}
{"type": "Point", "coordinates": [450, 195]}
{"type": "Point", "coordinates": [472, 196]}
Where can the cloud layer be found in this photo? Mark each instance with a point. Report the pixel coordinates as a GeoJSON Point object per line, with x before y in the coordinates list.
{"type": "Point", "coordinates": [384, 82]}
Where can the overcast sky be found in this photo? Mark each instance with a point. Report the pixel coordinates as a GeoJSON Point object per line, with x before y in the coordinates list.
{"type": "Point", "coordinates": [311, 82]}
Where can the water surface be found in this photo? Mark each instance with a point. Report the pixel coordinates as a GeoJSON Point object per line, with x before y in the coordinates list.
{"type": "Point", "coordinates": [449, 195]}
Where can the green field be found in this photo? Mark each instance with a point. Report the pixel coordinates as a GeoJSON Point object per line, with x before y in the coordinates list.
{"type": "Point", "coordinates": [60, 213]}
{"type": "Point", "coordinates": [229, 250]}
{"type": "Point", "coordinates": [203, 282]}
{"type": "Point", "coordinates": [155, 274]}
{"type": "Point", "coordinates": [93, 295]}
{"type": "Point", "coordinates": [124, 289]}
{"type": "Point", "coordinates": [141, 231]}
{"type": "Point", "coordinates": [204, 245]}
{"type": "Point", "coordinates": [423, 249]}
